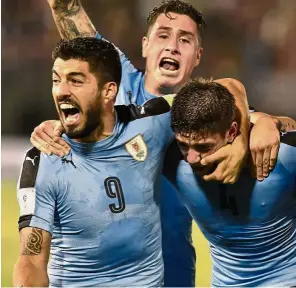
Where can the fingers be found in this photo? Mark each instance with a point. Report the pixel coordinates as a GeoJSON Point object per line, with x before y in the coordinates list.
{"type": "Point", "coordinates": [273, 156]}
{"type": "Point", "coordinates": [48, 145]}
{"type": "Point", "coordinates": [44, 139]}
{"type": "Point", "coordinates": [259, 165]}
{"type": "Point", "coordinates": [216, 156]}
{"type": "Point", "coordinates": [38, 143]}
{"type": "Point", "coordinates": [266, 161]}
{"type": "Point", "coordinates": [223, 174]}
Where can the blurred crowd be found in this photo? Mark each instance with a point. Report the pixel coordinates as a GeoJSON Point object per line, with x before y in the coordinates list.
{"type": "Point", "coordinates": [251, 40]}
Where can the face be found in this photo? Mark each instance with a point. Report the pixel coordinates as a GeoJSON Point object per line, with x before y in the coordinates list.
{"type": "Point", "coordinates": [76, 96]}
{"type": "Point", "coordinates": [195, 147]}
{"type": "Point", "coordinates": [171, 50]}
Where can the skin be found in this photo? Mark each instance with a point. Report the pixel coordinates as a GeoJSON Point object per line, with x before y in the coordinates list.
{"type": "Point", "coordinates": [176, 38]}
{"type": "Point", "coordinates": [72, 21]}
{"type": "Point", "coordinates": [31, 267]}
{"type": "Point", "coordinates": [194, 147]}
{"type": "Point", "coordinates": [73, 83]}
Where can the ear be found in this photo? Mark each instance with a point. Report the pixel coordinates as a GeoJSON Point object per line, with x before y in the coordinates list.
{"type": "Point", "coordinates": [198, 55]}
{"type": "Point", "coordinates": [145, 41]}
{"type": "Point", "coordinates": [232, 132]}
{"type": "Point", "coordinates": [109, 92]}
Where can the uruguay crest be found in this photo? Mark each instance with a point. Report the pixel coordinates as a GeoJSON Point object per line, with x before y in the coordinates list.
{"type": "Point", "coordinates": [137, 148]}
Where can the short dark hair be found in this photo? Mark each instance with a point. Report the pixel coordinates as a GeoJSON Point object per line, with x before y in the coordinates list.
{"type": "Point", "coordinates": [202, 106]}
{"type": "Point", "coordinates": [179, 7]}
{"type": "Point", "coordinates": [101, 55]}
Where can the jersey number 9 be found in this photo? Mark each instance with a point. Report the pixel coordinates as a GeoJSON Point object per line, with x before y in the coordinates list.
{"type": "Point", "coordinates": [114, 190]}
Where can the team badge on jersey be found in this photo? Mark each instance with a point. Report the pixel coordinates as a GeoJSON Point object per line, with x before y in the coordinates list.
{"type": "Point", "coordinates": [137, 148]}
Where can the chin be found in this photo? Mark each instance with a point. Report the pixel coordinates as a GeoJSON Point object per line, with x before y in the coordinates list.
{"type": "Point", "coordinates": [169, 83]}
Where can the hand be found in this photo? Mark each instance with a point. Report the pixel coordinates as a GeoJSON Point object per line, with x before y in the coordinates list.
{"type": "Point", "coordinates": [264, 146]}
{"type": "Point", "coordinates": [230, 160]}
{"type": "Point", "coordinates": [46, 138]}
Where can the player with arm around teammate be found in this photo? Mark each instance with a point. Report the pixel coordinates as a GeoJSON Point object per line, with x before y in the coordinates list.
{"type": "Point", "coordinates": [172, 48]}
{"type": "Point", "coordinates": [250, 225]}
{"type": "Point", "coordinates": [95, 211]}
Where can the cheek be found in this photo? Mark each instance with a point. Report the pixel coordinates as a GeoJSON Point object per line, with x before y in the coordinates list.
{"type": "Point", "coordinates": [190, 58]}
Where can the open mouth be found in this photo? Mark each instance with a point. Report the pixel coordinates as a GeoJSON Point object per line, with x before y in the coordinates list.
{"type": "Point", "coordinates": [71, 113]}
{"type": "Point", "coordinates": [169, 64]}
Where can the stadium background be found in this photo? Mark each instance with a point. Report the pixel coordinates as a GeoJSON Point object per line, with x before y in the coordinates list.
{"type": "Point", "coordinates": [253, 41]}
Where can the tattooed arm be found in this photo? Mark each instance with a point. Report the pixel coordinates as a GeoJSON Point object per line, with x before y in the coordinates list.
{"type": "Point", "coordinates": [71, 19]}
{"type": "Point", "coordinates": [31, 266]}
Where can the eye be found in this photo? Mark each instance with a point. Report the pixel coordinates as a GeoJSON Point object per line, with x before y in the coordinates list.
{"type": "Point", "coordinates": [55, 81]}
{"type": "Point", "coordinates": [183, 147]}
{"type": "Point", "coordinates": [184, 40]}
{"type": "Point", "coordinates": [76, 81]}
{"type": "Point", "coordinates": [163, 36]}
{"type": "Point", "coordinates": [204, 149]}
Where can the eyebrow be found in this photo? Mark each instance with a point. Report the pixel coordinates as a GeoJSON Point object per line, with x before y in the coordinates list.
{"type": "Point", "coordinates": [71, 74]}
{"type": "Point", "coordinates": [194, 143]}
{"type": "Point", "coordinates": [182, 32]}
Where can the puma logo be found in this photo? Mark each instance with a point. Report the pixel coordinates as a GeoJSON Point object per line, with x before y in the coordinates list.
{"type": "Point", "coordinates": [32, 160]}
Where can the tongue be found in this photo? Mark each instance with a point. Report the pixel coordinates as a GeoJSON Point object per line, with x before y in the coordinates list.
{"type": "Point", "coordinates": [72, 118]}
{"type": "Point", "coordinates": [168, 66]}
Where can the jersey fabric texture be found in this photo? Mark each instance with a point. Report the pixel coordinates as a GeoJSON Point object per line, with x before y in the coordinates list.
{"type": "Point", "coordinates": [178, 251]}
{"type": "Point", "coordinates": [101, 206]}
{"type": "Point", "coordinates": [250, 225]}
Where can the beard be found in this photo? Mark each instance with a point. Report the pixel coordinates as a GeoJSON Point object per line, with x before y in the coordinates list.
{"type": "Point", "coordinates": [89, 125]}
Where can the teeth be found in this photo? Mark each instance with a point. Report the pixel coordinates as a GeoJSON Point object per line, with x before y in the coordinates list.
{"type": "Point", "coordinates": [170, 60]}
{"type": "Point", "coordinates": [66, 106]}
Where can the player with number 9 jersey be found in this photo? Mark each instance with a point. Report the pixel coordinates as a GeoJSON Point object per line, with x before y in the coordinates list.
{"type": "Point", "coordinates": [101, 205]}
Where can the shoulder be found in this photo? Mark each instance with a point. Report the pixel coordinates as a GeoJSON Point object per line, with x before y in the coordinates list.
{"type": "Point", "coordinates": [287, 152]}
{"type": "Point", "coordinates": [289, 138]}
{"type": "Point", "coordinates": [36, 164]}
{"type": "Point", "coordinates": [153, 107]}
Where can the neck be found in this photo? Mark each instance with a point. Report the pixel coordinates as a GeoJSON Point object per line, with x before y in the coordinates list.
{"type": "Point", "coordinates": [104, 130]}
{"type": "Point", "coordinates": [157, 90]}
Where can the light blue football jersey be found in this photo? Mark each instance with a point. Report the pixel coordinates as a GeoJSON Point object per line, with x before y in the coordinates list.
{"type": "Point", "coordinates": [250, 225]}
{"type": "Point", "coordinates": [178, 251]}
{"type": "Point", "coordinates": [101, 205]}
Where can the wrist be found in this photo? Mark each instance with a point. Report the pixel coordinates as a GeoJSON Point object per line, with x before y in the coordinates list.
{"type": "Point", "coordinates": [271, 122]}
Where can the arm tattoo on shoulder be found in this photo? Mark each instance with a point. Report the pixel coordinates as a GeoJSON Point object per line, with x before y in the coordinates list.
{"type": "Point", "coordinates": [33, 243]}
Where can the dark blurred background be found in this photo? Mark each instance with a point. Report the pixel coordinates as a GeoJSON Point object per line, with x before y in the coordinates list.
{"type": "Point", "coordinates": [251, 40]}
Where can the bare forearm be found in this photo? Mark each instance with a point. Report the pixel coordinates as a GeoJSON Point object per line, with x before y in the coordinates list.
{"type": "Point", "coordinates": [284, 124]}
{"type": "Point", "coordinates": [27, 274]}
{"type": "Point", "coordinates": [238, 91]}
{"type": "Point", "coordinates": [71, 19]}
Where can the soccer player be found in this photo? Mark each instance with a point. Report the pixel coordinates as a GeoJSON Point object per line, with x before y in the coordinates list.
{"type": "Point", "coordinates": [95, 211]}
{"type": "Point", "coordinates": [172, 48]}
{"type": "Point", "coordinates": [250, 225]}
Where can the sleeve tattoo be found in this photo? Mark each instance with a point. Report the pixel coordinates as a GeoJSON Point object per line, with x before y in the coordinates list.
{"type": "Point", "coordinates": [33, 243]}
{"type": "Point", "coordinates": [70, 24]}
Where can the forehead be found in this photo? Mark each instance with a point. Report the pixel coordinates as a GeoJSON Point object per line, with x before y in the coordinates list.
{"type": "Point", "coordinates": [193, 139]}
{"type": "Point", "coordinates": [72, 65]}
{"type": "Point", "coordinates": [176, 22]}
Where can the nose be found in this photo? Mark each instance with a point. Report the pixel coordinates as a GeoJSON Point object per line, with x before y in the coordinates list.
{"type": "Point", "coordinates": [172, 46]}
{"type": "Point", "coordinates": [193, 157]}
{"type": "Point", "coordinates": [61, 91]}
